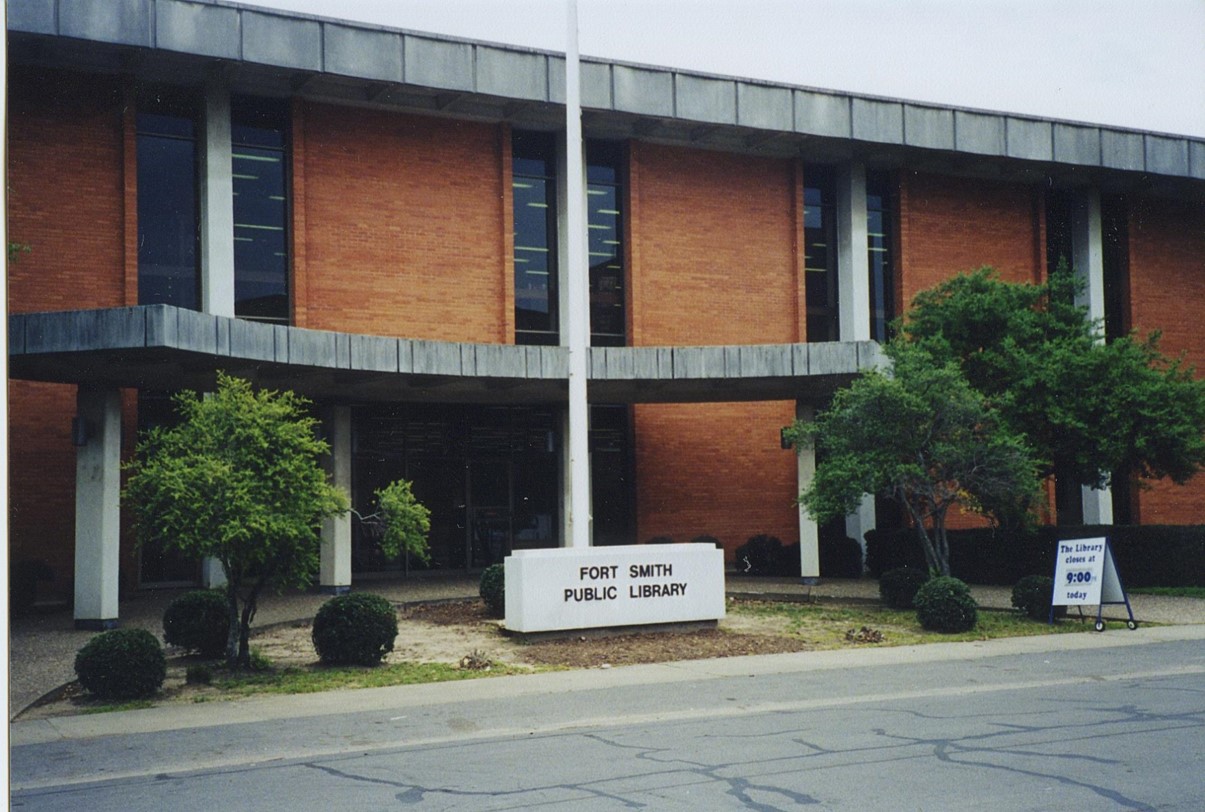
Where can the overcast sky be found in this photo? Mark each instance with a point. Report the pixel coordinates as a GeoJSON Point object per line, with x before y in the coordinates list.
{"type": "Point", "coordinates": [1132, 63]}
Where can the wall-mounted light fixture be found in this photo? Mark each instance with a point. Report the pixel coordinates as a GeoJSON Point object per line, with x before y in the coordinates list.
{"type": "Point", "coordinates": [783, 440]}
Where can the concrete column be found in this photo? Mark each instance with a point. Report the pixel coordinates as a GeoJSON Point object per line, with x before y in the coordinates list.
{"type": "Point", "coordinates": [857, 524]}
{"type": "Point", "coordinates": [212, 574]}
{"type": "Point", "coordinates": [334, 567]}
{"type": "Point", "coordinates": [217, 203]}
{"type": "Point", "coordinates": [853, 283]}
{"type": "Point", "coordinates": [97, 507]}
{"type": "Point", "coordinates": [809, 531]}
{"type": "Point", "coordinates": [1087, 260]}
{"type": "Point", "coordinates": [853, 265]}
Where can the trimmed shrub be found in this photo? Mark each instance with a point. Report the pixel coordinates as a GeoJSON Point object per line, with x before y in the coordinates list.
{"type": "Point", "coordinates": [840, 558]}
{"type": "Point", "coordinates": [944, 604]}
{"type": "Point", "coordinates": [1146, 555]}
{"type": "Point", "coordinates": [198, 621]}
{"type": "Point", "coordinates": [898, 587]}
{"type": "Point", "coordinates": [493, 589]}
{"type": "Point", "coordinates": [356, 629]}
{"type": "Point", "coordinates": [23, 578]}
{"type": "Point", "coordinates": [760, 555]}
{"type": "Point", "coordinates": [121, 664]}
{"type": "Point", "coordinates": [890, 548]}
{"type": "Point", "coordinates": [1032, 596]}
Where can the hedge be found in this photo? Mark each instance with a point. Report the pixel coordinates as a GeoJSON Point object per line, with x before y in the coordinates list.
{"type": "Point", "coordinates": [1146, 555]}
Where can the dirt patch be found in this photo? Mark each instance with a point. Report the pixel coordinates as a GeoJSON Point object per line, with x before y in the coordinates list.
{"type": "Point", "coordinates": [462, 631]}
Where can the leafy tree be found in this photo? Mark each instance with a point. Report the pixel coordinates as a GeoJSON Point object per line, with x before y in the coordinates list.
{"type": "Point", "coordinates": [1087, 408]}
{"type": "Point", "coordinates": [404, 522]}
{"type": "Point", "coordinates": [238, 479]}
{"type": "Point", "coordinates": [920, 435]}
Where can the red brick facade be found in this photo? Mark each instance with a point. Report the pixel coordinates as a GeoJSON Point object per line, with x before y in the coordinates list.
{"type": "Point", "coordinates": [715, 242]}
{"type": "Point", "coordinates": [951, 225]}
{"type": "Point", "coordinates": [402, 230]}
{"type": "Point", "coordinates": [1167, 287]}
{"type": "Point", "coordinates": [402, 225]}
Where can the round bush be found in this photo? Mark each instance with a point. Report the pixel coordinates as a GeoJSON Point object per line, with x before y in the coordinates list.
{"type": "Point", "coordinates": [898, 587]}
{"type": "Point", "coordinates": [198, 621]}
{"type": "Point", "coordinates": [944, 604]}
{"type": "Point", "coordinates": [493, 589]}
{"type": "Point", "coordinates": [1032, 596]}
{"type": "Point", "coordinates": [121, 664]}
{"type": "Point", "coordinates": [356, 629]}
{"type": "Point", "coordinates": [760, 555]}
{"type": "Point", "coordinates": [840, 558]}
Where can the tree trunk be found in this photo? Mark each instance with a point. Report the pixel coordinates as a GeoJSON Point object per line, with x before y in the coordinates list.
{"type": "Point", "coordinates": [931, 559]}
{"type": "Point", "coordinates": [943, 542]}
{"type": "Point", "coordinates": [232, 634]}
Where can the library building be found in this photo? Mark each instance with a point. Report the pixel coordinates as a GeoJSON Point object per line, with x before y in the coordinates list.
{"type": "Point", "coordinates": [376, 219]}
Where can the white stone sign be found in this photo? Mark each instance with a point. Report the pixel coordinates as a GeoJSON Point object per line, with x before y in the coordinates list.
{"type": "Point", "coordinates": [595, 587]}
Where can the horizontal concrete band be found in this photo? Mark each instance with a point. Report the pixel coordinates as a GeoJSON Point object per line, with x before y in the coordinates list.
{"type": "Point", "coordinates": [166, 347]}
{"type": "Point", "coordinates": [392, 57]}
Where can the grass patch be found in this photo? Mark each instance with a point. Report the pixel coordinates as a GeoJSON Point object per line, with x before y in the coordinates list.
{"type": "Point", "coordinates": [1171, 591]}
{"type": "Point", "coordinates": [826, 626]}
{"type": "Point", "coordinates": [319, 678]}
{"type": "Point", "coordinates": [110, 707]}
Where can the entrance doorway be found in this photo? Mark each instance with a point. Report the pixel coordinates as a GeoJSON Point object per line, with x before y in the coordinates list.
{"type": "Point", "coordinates": [489, 475]}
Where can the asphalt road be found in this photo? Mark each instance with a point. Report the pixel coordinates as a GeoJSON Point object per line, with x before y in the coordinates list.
{"type": "Point", "coordinates": [1101, 722]}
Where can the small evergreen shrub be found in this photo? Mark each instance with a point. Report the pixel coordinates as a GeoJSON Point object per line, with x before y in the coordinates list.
{"type": "Point", "coordinates": [1032, 596]}
{"type": "Point", "coordinates": [944, 604]}
{"type": "Point", "coordinates": [840, 558]}
{"type": "Point", "coordinates": [198, 621]}
{"type": "Point", "coordinates": [760, 555]}
{"type": "Point", "coordinates": [356, 629]}
{"type": "Point", "coordinates": [897, 587]}
{"type": "Point", "coordinates": [23, 578]}
{"type": "Point", "coordinates": [121, 664]}
{"type": "Point", "coordinates": [493, 589]}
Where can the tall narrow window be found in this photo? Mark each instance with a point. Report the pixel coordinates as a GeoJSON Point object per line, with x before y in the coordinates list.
{"type": "Point", "coordinates": [258, 130]}
{"type": "Point", "coordinates": [880, 214]}
{"type": "Point", "coordinates": [1059, 248]}
{"type": "Point", "coordinates": [604, 200]}
{"type": "Point", "coordinates": [534, 191]}
{"type": "Point", "coordinates": [168, 241]}
{"type": "Point", "coordinates": [1115, 252]}
{"type": "Point", "coordinates": [820, 253]}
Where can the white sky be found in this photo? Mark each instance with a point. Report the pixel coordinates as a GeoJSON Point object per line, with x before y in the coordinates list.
{"type": "Point", "coordinates": [1131, 63]}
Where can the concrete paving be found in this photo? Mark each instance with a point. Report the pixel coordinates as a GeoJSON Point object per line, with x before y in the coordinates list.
{"type": "Point", "coordinates": [42, 647]}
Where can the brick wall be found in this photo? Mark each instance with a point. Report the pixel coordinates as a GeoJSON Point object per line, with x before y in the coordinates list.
{"type": "Point", "coordinates": [950, 225]}
{"type": "Point", "coordinates": [714, 260]}
{"type": "Point", "coordinates": [1167, 288]}
{"type": "Point", "coordinates": [402, 222]}
{"type": "Point", "coordinates": [66, 201]}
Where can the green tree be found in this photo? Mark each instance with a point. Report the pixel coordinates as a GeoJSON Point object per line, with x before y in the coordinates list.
{"type": "Point", "coordinates": [1087, 408]}
{"type": "Point", "coordinates": [403, 522]}
{"type": "Point", "coordinates": [921, 435]}
{"type": "Point", "coordinates": [239, 480]}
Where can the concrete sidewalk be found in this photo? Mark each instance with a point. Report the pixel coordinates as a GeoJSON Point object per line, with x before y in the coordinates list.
{"type": "Point", "coordinates": [42, 648]}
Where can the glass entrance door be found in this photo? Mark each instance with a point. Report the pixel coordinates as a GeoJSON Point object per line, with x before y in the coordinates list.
{"type": "Point", "coordinates": [490, 515]}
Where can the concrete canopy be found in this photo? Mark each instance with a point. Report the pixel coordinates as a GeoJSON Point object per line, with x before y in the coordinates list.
{"type": "Point", "coordinates": [167, 348]}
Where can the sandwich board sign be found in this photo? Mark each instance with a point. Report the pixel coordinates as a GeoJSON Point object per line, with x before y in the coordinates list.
{"type": "Point", "coordinates": [1085, 574]}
